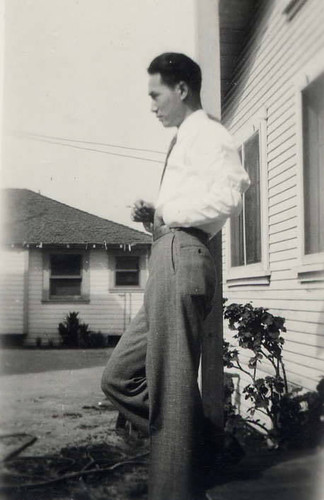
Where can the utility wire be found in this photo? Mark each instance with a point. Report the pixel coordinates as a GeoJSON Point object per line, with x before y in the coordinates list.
{"type": "Point", "coordinates": [95, 150]}
{"type": "Point", "coordinates": [80, 141]}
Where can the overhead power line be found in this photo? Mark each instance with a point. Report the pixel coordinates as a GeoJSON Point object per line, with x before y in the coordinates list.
{"type": "Point", "coordinates": [48, 141]}
{"type": "Point", "coordinates": [82, 141]}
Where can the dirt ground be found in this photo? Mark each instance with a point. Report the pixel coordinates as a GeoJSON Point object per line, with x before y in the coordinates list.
{"type": "Point", "coordinates": [50, 396]}
{"type": "Point", "coordinates": [66, 409]}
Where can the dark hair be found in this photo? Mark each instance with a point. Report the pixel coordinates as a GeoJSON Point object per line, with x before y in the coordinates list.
{"type": "Point", "coordinates": [174, 68]}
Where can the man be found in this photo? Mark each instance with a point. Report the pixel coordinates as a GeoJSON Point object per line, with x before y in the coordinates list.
{"type": "Point", "coordinates": [151, 376]}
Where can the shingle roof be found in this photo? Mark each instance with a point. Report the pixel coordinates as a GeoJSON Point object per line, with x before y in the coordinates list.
{"type": "Point", "coordinates": [31, 218]}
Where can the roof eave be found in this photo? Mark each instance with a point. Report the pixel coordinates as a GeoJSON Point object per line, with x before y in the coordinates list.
{"type": "Point", "coordinates": [83, 245]}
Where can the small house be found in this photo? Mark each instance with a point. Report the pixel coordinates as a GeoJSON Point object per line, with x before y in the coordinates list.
{"type": "Point", "coordinates": [57, 259]}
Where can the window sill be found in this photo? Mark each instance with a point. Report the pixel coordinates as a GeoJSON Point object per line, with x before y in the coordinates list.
{"type": "Point", "coordinates": [248, 275]}
{"type": "Point", "coordinates": [310, 272]}
{"type": "Point", "coordinates": [66, 300]}
{"type": "Point", "coordinates": [126, 289]}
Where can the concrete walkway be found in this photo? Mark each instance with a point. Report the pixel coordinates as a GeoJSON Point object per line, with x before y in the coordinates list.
{"type": "Point", "coordinates": [291, 476]}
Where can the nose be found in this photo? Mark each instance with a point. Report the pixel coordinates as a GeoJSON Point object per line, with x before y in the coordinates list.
{"type": "Point", "coordinates": [153, 107]}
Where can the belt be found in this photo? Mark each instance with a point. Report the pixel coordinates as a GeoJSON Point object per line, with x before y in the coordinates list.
{"type": "Point", "coordinates": [160, 231]}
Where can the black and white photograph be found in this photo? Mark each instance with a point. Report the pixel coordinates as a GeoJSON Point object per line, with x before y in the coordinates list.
{"type": "Point", "coordinates": [162, 250]}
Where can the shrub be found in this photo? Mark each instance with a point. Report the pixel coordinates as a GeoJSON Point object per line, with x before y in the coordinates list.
{"type": "Point", "coordinates": [69, 330]}
{"type": "Point", "coordinates": [76, 334]}
{"type": "Point", "coordinates": [97, 339]}
{"type": "Point", "coordinates": [295, 418]}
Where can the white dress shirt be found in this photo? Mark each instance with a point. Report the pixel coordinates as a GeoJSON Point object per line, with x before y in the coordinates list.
{"type": "Point", "coordinates": [204, 179]}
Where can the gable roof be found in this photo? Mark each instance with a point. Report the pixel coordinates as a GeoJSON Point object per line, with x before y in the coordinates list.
{"type": "Point", "coordinates": [33, 219]}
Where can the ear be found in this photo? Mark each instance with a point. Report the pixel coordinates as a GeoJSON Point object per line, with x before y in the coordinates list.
{"type": "Point", "coordinates": [183, 90]}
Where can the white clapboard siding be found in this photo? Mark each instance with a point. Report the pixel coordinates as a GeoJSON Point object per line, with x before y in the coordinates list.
{"type": "Point", "coordinates": [12, 291]}
{"type": "Point", "coordinates": [283, 122]}
{"type": "Point", "coordinates": [282, 226]}
{"type": "Point", "coordinates": [108, 311]}
{"type": "Point", "coordinates": [294, 363]}
{"type": "Point", "coordinates": [274, 56]}
{"type": "Point", "coordinates": [315, 352]}
{"type": "Point", "coordinates": [284, 161]}
{"type": "Point", "coordinates": [279, 178]}
{"type": "Point", "coordinates": [283, 191]}
{"type": "Point", "coordinates": [287, 47]}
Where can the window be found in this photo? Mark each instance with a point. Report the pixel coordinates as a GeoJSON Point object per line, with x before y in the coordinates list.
{"type": "Point", "coordinates": [310, 156]}
{"type": "Point", "coordinates": [246, 228]}
{"type": "Point", "coordinates": [65, 275]}
{"type": "Point", "coordinates": [247, 245]}
{"type": "Point", "coordinates": [127, 271]}
{"type": "Point", "coordinates": [313, 165]}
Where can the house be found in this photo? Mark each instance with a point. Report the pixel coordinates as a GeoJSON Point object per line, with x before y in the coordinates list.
{"type": "Point", "coordinates": [57, 259]}
{"type": "Point", "coordinates": [272, 72]}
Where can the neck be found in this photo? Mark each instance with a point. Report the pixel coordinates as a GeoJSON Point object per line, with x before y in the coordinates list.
{"type": "Point", "coordinates": [191, 107]}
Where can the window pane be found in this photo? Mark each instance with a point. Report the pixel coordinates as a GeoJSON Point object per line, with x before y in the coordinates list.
{"type": "Point", "coordinates": [126, 263]}
{"type": "Point", "coordinates": [127, 278]}
{"type": "Point", "coordinates": [252, 201]}
{"type": "Point", "coordinates": [237, 235]}
{"type": "Point", "coordinates": [64, 287]}
{"type": "Point", "coordinates": [65, 265]}
{"type": "Point", "coordinates": [127, 270]}
{"type": "Point", "coordinates": [313, 145]}
{"type": "Point", "coordinates": [237, 240]}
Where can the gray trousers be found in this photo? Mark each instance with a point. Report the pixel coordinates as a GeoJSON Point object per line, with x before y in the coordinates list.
{"type": "Point", "coordinates": [151, 376]}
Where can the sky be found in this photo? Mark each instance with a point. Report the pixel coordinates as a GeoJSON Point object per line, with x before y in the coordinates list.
{"type": "Point", "coordinates": [77, 125]}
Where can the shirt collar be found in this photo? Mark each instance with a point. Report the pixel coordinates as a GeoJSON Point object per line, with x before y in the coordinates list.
{"type": "Point", "coordinates": [190, 123]}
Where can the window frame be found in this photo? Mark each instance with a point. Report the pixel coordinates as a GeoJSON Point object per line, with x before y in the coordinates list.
{"type": "Point", "coordinates": [135, 271]}
{"type": "Point", "coordinates": [142, 271]}
{"type": "Point", "coordinates": [256, 273]}
{"type": "Point", "coordinates": [85, 279]}
{"type": "Point", "coordinates": [310, 267]}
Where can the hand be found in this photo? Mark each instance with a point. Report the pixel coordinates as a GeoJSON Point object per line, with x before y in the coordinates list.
{"type": "Point", "coordinates": [148, 226]}
{"type": "Point", "coordinates": [158, 219]}
{"type": "Point", "coordinates": [142, 211]}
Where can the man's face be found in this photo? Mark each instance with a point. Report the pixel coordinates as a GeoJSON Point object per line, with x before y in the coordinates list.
{"type": "Point", "coordinates": [167, 103]}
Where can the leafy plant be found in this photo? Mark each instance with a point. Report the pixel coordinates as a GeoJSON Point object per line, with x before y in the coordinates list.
{"type": "Point", "coordinates": [295, 419]}
{"type": "Point", "coordinates": [76, 334]}
{"type": "Point", "coordinates": [69, 330]}
{"type": "Point", "coordinates": [97, 339]}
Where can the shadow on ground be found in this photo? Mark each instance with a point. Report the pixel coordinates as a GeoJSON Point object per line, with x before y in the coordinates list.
{"type": "Point", "coordinates": [107, 472]}
{"type": "Point", "coordinates": [95, 472]}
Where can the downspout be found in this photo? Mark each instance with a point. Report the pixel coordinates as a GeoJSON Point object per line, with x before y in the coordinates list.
{"type": "Point", "coordinates": [26, 293]}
